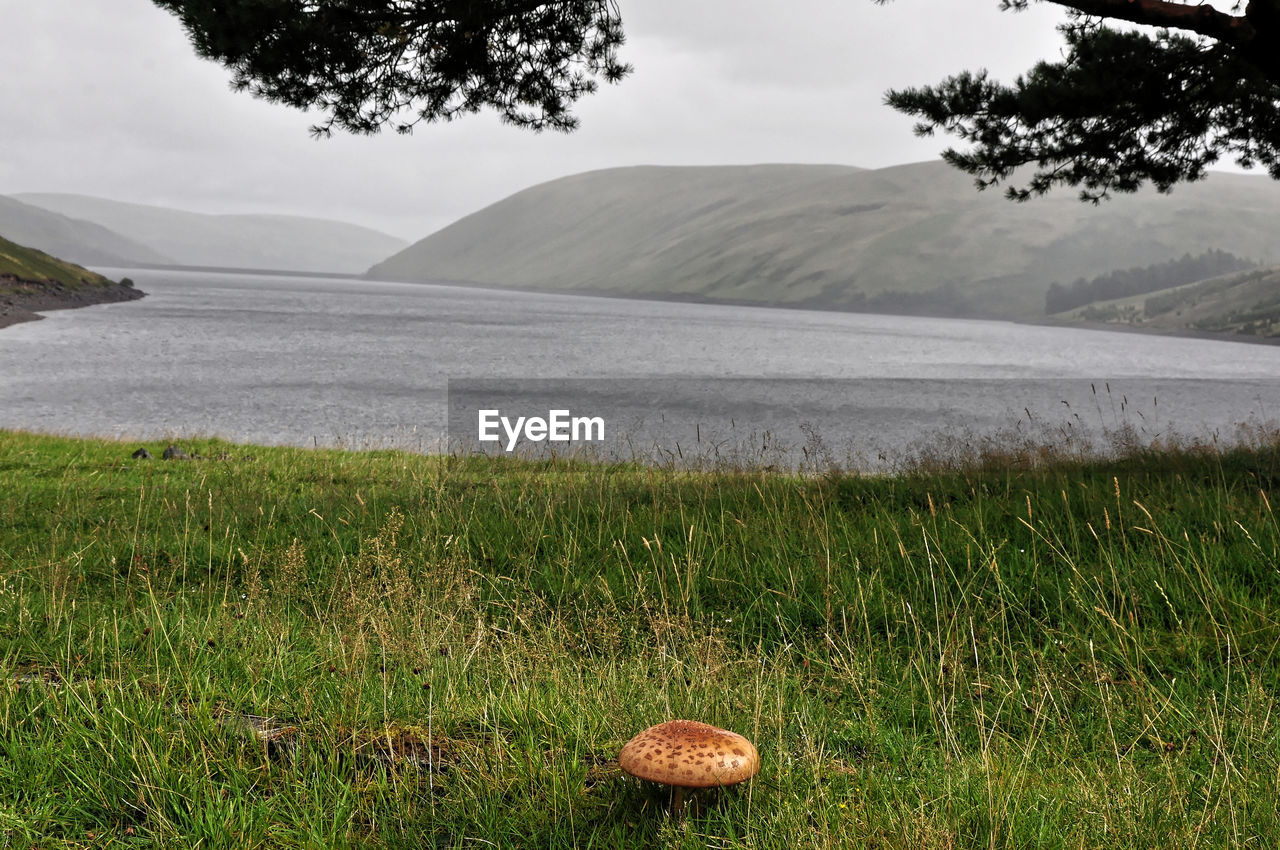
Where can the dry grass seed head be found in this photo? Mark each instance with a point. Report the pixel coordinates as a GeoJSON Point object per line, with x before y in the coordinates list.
{"type": "Point", "coordinates": [407, 608]}
{"type": "Point", "coordinates": [292, 570]}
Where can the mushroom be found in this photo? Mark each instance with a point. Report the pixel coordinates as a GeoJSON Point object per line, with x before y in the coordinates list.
{"type": "Point", "coordinates": [688, 754]}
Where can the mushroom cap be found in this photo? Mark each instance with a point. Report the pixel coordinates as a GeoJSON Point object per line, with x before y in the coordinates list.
{"type": "Point", "coordinates": [689, 754]}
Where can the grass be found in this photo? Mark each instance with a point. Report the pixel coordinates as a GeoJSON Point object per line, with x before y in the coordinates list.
{"type": "Point", "coordinates": [28, 264]}
{"type": "Point", "coordinates": [1072, 655]}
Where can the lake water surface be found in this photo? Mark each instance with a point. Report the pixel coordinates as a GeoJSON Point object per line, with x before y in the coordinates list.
{"type": "Point", "coordinates": [298, 360]}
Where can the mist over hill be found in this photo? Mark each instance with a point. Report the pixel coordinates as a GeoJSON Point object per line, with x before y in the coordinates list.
{"type": "Point", "coordinates": [239, 241]}
{"type": "Point", "coordinates": [908, 239]}
{"type": "Point", "coordinates": [78, 241]}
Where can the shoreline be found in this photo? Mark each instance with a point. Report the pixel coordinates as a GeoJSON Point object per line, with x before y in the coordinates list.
{"type": "Point", "coordinates": [24, 300]}
{"type": "Point", "coordinates": [1181, 333]}
{"type": "Point", "coordinates": [817, 307]}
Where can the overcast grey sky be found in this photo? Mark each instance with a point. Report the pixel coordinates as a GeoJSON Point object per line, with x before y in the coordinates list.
{"type": "Point", "coordinates": [105, 97]}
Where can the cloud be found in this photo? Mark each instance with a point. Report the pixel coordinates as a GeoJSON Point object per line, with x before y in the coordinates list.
{"type": "Point", "coordinates": [107, 98]}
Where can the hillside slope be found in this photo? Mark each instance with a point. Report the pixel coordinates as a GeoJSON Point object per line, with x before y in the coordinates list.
{"type": "Point", "coordinates": [31, 280]}
{"type": "Point", "coordinates": [238, 241]}
{"type": "Point", "coordinates": [78, 241]}
{"type": "Point", "coordinates": [915, 238]}
{"type": "Point", "coordinates": [1245, 304]}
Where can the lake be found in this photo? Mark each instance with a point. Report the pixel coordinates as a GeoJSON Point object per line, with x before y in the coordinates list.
{"type": "Point", "coordinates": [337, 362]}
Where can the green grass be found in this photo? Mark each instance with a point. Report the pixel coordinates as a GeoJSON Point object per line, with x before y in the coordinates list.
{"type": "Point", "coordinates": [31, 265]}
{"type": "Point", "coordinates": [1073, 655]}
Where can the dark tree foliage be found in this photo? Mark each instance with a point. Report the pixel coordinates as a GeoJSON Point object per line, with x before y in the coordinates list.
{"type": "Point", "coordinates": [1198, 81]}
{"type": "Point", "coordinates": [1124, 106]}
{"type": "Point", "coordinates": [1138, 281]}
{"type": "Point", "coordinates": [367, 64]}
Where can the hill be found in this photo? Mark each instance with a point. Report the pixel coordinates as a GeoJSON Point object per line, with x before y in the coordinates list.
{"type": "Point", "coordinates": [31, 280]}
{"type": "Point", "coordinates": [908, 239]}
{"type": "Point", "coordinates": [1242, 304]}
{"type": "Point", "coordinates": [76, 240]}
{"type": "Point", "coordinates": [239, 241]}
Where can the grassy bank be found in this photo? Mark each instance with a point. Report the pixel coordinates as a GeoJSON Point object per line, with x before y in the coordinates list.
{"type": "Point", "coordinates": [32, 281]}
{"type": "Point", "coordinates": [27, 264]}
{"type": "Point", "coordinates": [451, 652]}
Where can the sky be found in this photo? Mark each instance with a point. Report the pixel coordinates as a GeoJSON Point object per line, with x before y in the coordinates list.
{"type": "Point", "coordinates": [106, 98]}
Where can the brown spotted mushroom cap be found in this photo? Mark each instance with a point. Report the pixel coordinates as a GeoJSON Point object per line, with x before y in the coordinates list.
{"type": "Point", "coordinates": [689, 754]}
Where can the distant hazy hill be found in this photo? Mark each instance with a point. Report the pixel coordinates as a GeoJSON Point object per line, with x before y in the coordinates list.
{"type": "Point", "coordinates": [913, 238]}
{"type": "Point", "coordinates": [239, 241]}
{"type": "Point", "coordinates": [78, 241]}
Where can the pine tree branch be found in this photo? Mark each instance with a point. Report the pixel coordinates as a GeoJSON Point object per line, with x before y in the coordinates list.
{"type": "Point", "coordinates": [1123, 107]}
{"type": "Point", "coordinates": [369, 64]}
{"type": "Point", "coordinates": [1202, 19]}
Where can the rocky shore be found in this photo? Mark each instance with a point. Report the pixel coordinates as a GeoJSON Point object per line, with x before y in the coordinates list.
{"type": "Point", "coordinates": [23, 300]}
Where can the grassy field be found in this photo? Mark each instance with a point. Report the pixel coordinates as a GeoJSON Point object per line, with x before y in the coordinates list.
{"type": "Point", "coordinates": [450, 652]}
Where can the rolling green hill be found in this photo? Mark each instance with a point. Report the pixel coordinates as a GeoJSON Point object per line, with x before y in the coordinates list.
{"type": "Point", "coordinates": [910, 239]}
{"type": "Point", "coordinates": [241, 241]}
{"type": "Point", "coordinates": [31, 280]}
{"type": "Point", "coordinates": [19, 264]}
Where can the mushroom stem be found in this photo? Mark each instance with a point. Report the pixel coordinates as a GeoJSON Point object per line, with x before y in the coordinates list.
{"type": "Point", "coordinates": [677, 802]}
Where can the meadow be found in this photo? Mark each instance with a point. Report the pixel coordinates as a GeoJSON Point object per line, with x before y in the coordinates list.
{"type": "Point", "coordinates": [278, 647]}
